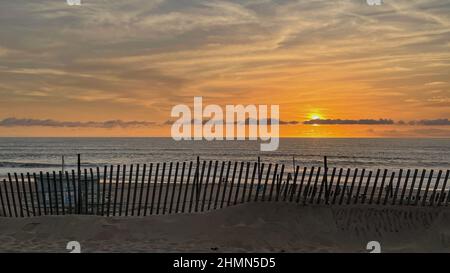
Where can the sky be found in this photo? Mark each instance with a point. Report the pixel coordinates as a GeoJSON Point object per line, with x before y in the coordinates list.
{"type": "Point", "coordinates": [116, 68]}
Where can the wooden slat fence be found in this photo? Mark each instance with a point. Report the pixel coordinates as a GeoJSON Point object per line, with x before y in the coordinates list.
{"type": "Point", "coordinates": [198, 186]}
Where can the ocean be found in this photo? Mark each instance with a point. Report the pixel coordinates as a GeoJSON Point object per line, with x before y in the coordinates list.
{"type": "Point", "coordinates": [45, 154]}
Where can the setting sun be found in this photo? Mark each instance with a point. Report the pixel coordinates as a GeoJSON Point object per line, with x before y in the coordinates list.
{"type": "Point", "coordinates": [315, 116]}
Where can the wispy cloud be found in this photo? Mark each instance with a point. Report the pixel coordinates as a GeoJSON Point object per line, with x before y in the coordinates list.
{"type": "Point", "coordinates": [350, 121]}
{"type": "Point", "coordinates": [15, 122]}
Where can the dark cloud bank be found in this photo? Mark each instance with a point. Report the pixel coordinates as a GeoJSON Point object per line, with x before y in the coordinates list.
{"type": "Point", "coordinates": [17, 122]}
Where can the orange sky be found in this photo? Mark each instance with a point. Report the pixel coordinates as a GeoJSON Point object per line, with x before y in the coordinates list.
{"type": "Point", "coordinates": [135, 60]}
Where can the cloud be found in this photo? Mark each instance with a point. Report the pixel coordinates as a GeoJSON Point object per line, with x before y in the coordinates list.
{"type": "Point", "coordinates": [247, 121]}
{"type": "Point", "coordinates": [15, 122]}
{"type": "Point", "coordinates": [431, 122]}
{"type": "Point", "coordinates": [350, 121]}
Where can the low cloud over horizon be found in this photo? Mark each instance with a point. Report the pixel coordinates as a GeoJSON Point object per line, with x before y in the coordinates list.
{"type": "Point", "coordinates": [29, 122]}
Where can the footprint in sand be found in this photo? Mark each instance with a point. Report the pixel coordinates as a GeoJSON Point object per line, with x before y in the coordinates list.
{"type": "Point", "coordinates": [30, 227]}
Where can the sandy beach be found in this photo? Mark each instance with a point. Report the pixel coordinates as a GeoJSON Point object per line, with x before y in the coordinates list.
{"type": "Point", "coordinates": [251, 227]}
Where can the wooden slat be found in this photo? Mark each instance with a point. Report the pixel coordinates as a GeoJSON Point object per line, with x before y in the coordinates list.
{"type": "Point", "coordinates": [166, 195]}
{"type": "Point", "coordinates": [344, 188]}
{"type": "Point", "coordinates": [230, 193]}
{"type": "Point", "coordinates": [425, 195]}
{"type": "Point", "coordinates": [181, 187]}
{"type": "Point", "coordinates": [352, 186]}
{"type": "Point", "coordinates": [116, 190]}
{"type": "Point", "coordinates": [337, 188]}
{"type": "Point", "coordinates": [61, 190]}
{"type": "Point", "coordinates": [274, 182]}
{"type": "Point", "coordinates": [308, 185]}
{"type": "Point", "coordinates": [155, 186]}
{"type": "Point", "coordinates": [380, 193]}
{"type": "Point", "coordinates": [294, 184]}
{"type": "Point", "coordinates": [30, 189]}
{"type": "Point", "coordinates": [267, 180]}
{"type": "Point", "coordinates": [405, 186]}
{"type": "Point", "coordinates": [161, 188]}
{"type": "Point", "coordinates": [250, 190]}
{"type": "Point", "coordinates": [19, 195]}
{"type": "Point", "coordinates": [386, 196]}
{"type": "Point", "coordinates": [129, 184]}
{"type": "Point", "coordinates": [136, 185]}
{"type": "Point", "coordinates": [187, 187]}
{"type": "Point", "coordinates": [374, 187]}
{"type": "Point", "coordinates": [69, 197]}
{"type": "Point", "coordinates": [412, 186]}
{"type": "Point", "coordinates": [216, 200]}
{"type": "Point", "coordinates": [238, 185]}
{"type": "Point", "coordinates": [301, 184]}
{"type": "Point", "coordinates": [206, 186]}
{"type": "Point", "coordinates": [147, 190]}
{"type": "Point", "coordinates": [260, 173]}
{"type": "Point", "coordinates": [314, 189]}
{"type": "Point", "coordinates": [25, 196]}
{"type": "Point", "coordinates": [358, 189]}
{"type": "Point", "coordinates": [225, 182]}
{"type": "Point", "coordinates": [436, 185]}
{"type": "Point", "coordinates": [213, 184]}
{"type": "Point", "coordinates": [172, 196]}
{"type": "Point", "coordinates": [366, 187]}
{"type": "Point", "coordinates": [199, 187]}
{"type": "Point", "coordinates": [444, 185]}
{"type": "Point", "coordinates": [419, 190]}
{"type": "Point", "coordinates": [38, 199]}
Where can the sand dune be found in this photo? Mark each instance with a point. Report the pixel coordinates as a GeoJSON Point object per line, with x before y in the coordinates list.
{"type": "Point", "coordinates": [253, 227]}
